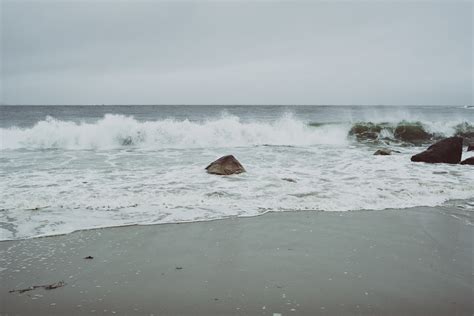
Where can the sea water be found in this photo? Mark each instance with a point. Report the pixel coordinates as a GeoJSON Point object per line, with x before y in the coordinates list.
{"type": "Point", "coordinates": [66, 168]}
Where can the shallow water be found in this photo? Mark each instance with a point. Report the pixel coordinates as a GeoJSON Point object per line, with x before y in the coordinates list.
{"type": "Point", "coordinates": [70, 168]}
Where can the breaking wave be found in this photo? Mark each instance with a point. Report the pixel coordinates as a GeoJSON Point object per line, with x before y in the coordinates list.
{"type": "Point", "coordinates": [115, 131]}
{"type": "Point", "coordinates": [118, 131]}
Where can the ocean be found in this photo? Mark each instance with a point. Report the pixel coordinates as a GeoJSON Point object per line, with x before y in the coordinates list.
{"type": "Point", "coordinates": [68, 168]}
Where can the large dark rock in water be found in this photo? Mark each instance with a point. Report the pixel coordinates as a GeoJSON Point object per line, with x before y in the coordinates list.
{"type": "Point", "coordinates": [448, 150]}
{"type": "Point", "coordinates": [225, 165]}
{"type": "Point", "coordinates": [468, 161]}
{"type": "Point", "coordinates": [411, 132]}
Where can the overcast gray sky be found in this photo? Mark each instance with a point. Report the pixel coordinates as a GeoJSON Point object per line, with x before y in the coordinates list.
{"type": "Point", "coordinates": [155, 52]}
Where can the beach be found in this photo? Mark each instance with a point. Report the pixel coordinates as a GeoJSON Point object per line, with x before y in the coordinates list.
{"type": "Point", "coordinates": [109, 210]}
{"type": "Point", "coordinates": [415, 261]}
{"type": "Point", "coordinates": [233, 158]}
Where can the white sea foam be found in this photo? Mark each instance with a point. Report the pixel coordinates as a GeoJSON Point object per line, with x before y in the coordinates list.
{"type": "Point", "coordinates": [152, 172]}
{"type": "Point", "coordinates": [70, 190]}
{"type": "Point", "coordinates": [118, 131]}
{"type": "Point", "coordinates": [115, 131]}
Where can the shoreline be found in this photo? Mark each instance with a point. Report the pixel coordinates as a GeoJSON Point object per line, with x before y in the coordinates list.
{"type": "Point", "coordinates": [231, 217]}
{"type": "Point", "coordinates": [414, 261]}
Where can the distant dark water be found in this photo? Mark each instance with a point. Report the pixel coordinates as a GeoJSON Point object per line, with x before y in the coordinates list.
{"type": "Point", "coordinates": [27, 116]}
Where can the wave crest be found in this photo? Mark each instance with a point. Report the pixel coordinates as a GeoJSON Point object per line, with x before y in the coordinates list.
{"type": "Point", "coordinates": [116, 131]}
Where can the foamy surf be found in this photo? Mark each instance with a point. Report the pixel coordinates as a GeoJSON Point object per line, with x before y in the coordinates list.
{"type": "Point", "coordinates": [119, 131]}
{"type": "Point", "coordinates": [60, 175]}
{"type": "Point", "coordinates": [82, 189]}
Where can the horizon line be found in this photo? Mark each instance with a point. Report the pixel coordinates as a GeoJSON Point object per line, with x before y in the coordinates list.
{"type": "Point", "coordinates": [216, 104]}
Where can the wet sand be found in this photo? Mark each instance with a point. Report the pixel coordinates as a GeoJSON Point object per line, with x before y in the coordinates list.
{"type": "Point", "coordinates": [395, 262]}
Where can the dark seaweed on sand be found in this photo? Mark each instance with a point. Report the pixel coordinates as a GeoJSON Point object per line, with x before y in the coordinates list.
{"type": "Point", "coordinates": [46, 287]}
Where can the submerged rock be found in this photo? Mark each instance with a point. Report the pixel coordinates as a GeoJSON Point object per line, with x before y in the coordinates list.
{"type": "Point", "coordinates": [448, 150]}
{"type": "Point", "coordinates": [225, 166]}
{"type": "Point", "coordinates": [466, 131]}
{"type": "Point", "coordinates": [127, 141]}
{"type": "Point", "coordinates": [365, 131]}
{"type": "Point", "coordinates": [468, 161]}
{"type": "Point", "coordinates": [404, 131]}
{"type": "Point", "coordinates": [411, 132]}
{"type": "Point", "coordinates": [385, 152]}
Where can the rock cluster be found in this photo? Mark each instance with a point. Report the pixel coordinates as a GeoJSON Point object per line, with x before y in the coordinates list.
{"type": "Point", "coordinates": [448, 150]}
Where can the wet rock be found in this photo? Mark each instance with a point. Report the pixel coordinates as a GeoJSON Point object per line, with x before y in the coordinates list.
{"type": "Point", "coordinates": [289, 180]}
{"type": "Point", "coordinates": [127, 141]}
{"type": "Point", "coordinates": [466, 131]}
{"type": "Point", "coordinates": [470, 147]}
{"type": "Point", "coordinates": [468, 141]}
{"type": "Point", "coordinates": [366, 131]}
{"type": "Point", "coordinates": [225, 166]}
{"type": "Point", "coordinates": [383, 152]}
{"type": "Point", "coordinates": [448, 150]}
{"type": "Point", "coordinates": [411, 132]}
{"type": "Point", "coordinates": [468, 161]}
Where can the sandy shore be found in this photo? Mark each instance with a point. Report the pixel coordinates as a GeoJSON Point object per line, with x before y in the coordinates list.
{"type": "Point", "coordinates": [395, 262]}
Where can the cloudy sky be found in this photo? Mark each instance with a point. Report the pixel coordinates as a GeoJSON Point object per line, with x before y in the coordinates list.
{"type": "Point", "coordinates": [266, 52]}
